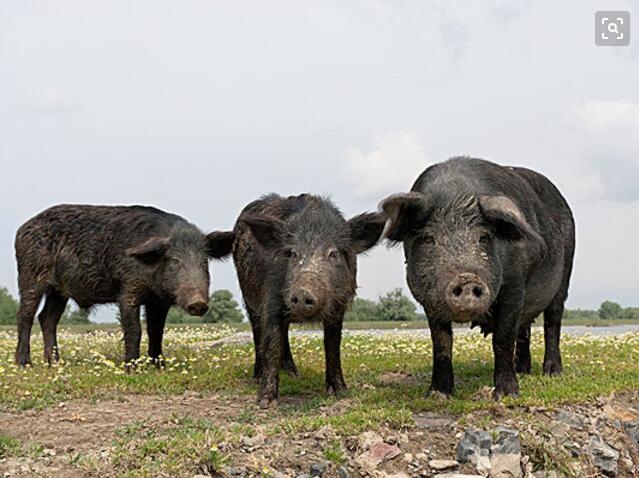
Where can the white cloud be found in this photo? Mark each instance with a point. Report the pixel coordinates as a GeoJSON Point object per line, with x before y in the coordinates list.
{"type": "Point", "coordinates": [49, 98]}
{"type": "Point", "coordinates": [611, 146]}
{"type": "Point", "coordinates": [603, 114]}
{"type": "Point", "coordinates": [392, 166]}
{"type": "Point", "coordinates": [455, 35]}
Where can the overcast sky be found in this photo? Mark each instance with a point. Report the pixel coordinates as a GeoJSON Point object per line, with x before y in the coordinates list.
{"type": "Point", "coordinates": [198, 107]}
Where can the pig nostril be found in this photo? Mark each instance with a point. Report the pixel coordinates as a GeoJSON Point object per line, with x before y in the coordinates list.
{"type": "Point", "coordinates": [478, 291]}
{"type": "Point", "coordinates": [309, 302]}
{"type": "Point", "coordinates": [457, 291]}
{"type": "Point", "coordinates": [294, 299]}
{"type": "Point", "coordinates": [198, 309]}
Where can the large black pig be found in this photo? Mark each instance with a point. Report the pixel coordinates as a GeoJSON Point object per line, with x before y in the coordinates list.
{"type": "Point", "coordinates": [296, 261]}
{"type": "Point", "coordinates": [489, 245]}
{"type": "Point", "coordinates": [133, 256]}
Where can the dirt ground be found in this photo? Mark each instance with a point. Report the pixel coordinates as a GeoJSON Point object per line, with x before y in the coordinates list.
{"type": "Point", "coordinates": [90, 428]}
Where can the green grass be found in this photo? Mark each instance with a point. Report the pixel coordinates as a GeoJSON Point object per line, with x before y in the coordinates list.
{"type": "Point", "coordinates": [91, 369]}
{"type": "Point", "coordinates": [9, 446]}
{"type": "Point", "coordinates": [363, 325]}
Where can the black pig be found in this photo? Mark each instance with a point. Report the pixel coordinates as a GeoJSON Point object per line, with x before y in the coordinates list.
{"type": "Point", "coordinates": [296, 261]}
{"type": "Point", "coordinates": [490, 245]}
{"type": "Point", "coordinates": [131, 256]}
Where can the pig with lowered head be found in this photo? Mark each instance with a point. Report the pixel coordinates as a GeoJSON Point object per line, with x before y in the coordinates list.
{"type": "Point", "coordinates": [488, 245]}
{"type": "Point", "coordinates": [296, 261]}
{"type": "Point", "coordinates": [133, 256]}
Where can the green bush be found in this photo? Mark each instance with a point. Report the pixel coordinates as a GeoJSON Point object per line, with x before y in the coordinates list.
{"type": "Point", "coordinates": [8, 307]}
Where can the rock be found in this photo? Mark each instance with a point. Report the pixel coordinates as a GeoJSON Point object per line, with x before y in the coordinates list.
{"type": "Point", "coordinates": [473, 444]}
{"type": "Point", "coordinates": [505, 459]}
{"type": "Point", "coordinates": [254, 441]}
{"type": "Point", "coordinates": [408, 457]}
{"type": "Point", "coordinates": [547, 474]}
{"type": "Point", "coordinates": [378, 453]}
{"type": "Point", "coordinates": [604, 457]}
{"type": "Point", "coordinates": [239, 472]}
{"type": "Point", "coordinates": [483, 465]}
{"type": "Point", "coordinates": [342, 472]}
{"type": "Point", "coordinates": [632, 430]}
{"type": "Point", "coordinates": [303, 475]}
{"type": "Point", "coordinates": [571, 419]}
{"type": "Point", "coordinates": [440, 465]}
{"type": "Point", "coordinates": [317, 469]}
{"type": "Point", "coordinates": [506, 465]}
{"type": "Point", "coordinates": [368, 439]}
{"type": "Point", "coordinates": [432, 423]}
{"type": "Point", "coordinates": [457, 475]}
{"type": "Point", "coordinates": [507, 441]}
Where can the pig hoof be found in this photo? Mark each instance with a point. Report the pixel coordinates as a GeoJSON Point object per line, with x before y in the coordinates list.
{"type": "Point", "coordinates": [265, 403]}
{"type": "Point", "coordinates": [523, 369]}
{"type": "Point", "coordinates": [291, 370]}
{"type": "Point", "coordinates": [158, 362]}
{"type": "Point", "coordinates": [552, 368]}
{"type": "Point", "coordinates": [23, 362]}
{"type": "Point", "coordinates": [437, 395]}
{"type": "Point", "coordinates": [337, 390]}
{"type": "Point", "coordinates": [502, 392]}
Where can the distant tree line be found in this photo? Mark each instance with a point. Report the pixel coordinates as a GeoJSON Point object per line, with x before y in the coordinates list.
{"type": "Point", "coordinates": [608, 310]}
{"type": "Point", "coordinates": [392, 306]}
{"type": "Point", "coordinates": [222, 308]}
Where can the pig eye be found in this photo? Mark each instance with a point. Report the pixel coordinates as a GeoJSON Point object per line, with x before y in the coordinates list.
{"type": "Point", "coordinates": [333, 254]}
{"type": "Point", "coordinates": [429, 239]}
{"type": "Point", "coordinates": [484, 238]}
{"type": "Point", "coordinates": [175, 260]}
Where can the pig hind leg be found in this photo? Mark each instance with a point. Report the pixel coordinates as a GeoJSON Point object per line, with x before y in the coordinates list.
{"type": "Point", "coordinates": [29, 301]}
{"type": "Point", "coordinates": [49, 317]}
{"type": "Point", "coordinates": [522, 351]}
{"type": "Point", "coordinates": [552, 335]}
{"type": "Point", "coordinates": [555, 311]}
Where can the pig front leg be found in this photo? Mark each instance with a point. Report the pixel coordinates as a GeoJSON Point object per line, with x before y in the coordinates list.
{"type": "Point", "coordinates": [272, 353]}
{"type": "Point", "coordinates": [288, 363]}
{"type": "Point", "coordinates": [443, 380]}
{"type": "Point", "coordinates": [335, 383]}
{"type": "Point", "coordinates": [507, 316]}
{"type": "Point", "coordinates": [155, 320]}
{"type": "Point", "coordinates": [130, 321]}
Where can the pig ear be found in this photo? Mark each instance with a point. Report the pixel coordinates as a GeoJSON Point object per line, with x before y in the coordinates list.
{"type": "Point", "coordinates": [405, 212]}
{"type": "Point", "coordinates": [365, 230]}
{"type": "Point", "coordinates": [219, 244]}
{"type": "Point", "coordinates": [151, 250]}
{"type": "Point", "coordinates": [509, 221]}
{"type": "Point", "coordinates": [268, 231]}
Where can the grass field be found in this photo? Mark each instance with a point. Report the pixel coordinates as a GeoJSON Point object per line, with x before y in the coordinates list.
{"type": "Point", "coordinates": [197, 416]}
{"type": "Point", "coordinates": [365, 325]}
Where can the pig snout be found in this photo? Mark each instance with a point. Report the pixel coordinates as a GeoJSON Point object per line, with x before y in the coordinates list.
{"type": "Point", "coordinates": [467, 295]}
{"type": "Point", "coordinates": [197, 308]}
{"type": "Point", "coordinates": [302, 302]}
{"type": "Point", "coordinates": [194, 302]}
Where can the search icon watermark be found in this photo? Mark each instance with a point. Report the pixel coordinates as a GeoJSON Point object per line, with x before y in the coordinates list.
{"type": "Point", "coordinates": [612, 28]}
